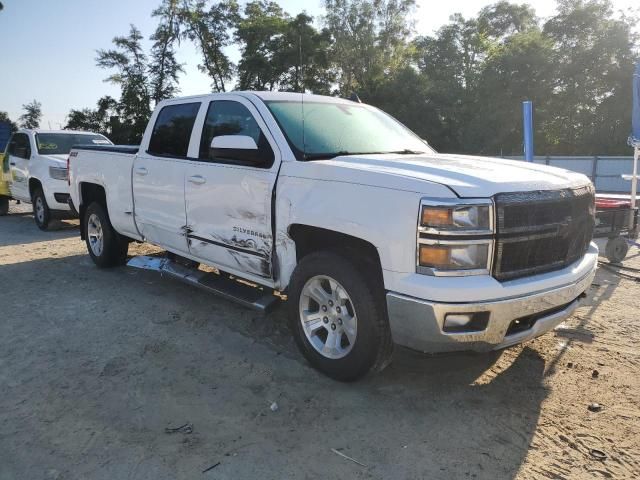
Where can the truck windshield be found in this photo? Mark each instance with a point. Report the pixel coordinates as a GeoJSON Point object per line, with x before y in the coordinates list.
{"type": "Point", "coordinates": [61, 143]}
{"type": "Point", "coordinates": [331, 129]}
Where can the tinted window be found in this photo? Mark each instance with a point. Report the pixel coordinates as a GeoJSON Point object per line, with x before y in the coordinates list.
{"type": "Point", "coordinates": [172, 131]}
{"type": "Point", "coordinates": [226, 117]}
{"type": "Point", "coordinates": [327, 129]}
{"type": "Point", "coordinates": [19, 141]}
{"type": "Point", "coordinates": [61, 143]}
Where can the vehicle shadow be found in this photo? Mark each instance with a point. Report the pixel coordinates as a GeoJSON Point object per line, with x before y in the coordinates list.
{"type": "Point", "coordinates": [20, 228]}
{"type": "Point", "coordinates": [603, 287]}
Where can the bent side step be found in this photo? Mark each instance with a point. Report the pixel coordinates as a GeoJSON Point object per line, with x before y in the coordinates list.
{"type": "Point", "coordinates": [255, 298]}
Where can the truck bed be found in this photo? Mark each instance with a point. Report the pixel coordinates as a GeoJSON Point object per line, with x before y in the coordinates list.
{"type": "Point", "coordinates": [109, 167]}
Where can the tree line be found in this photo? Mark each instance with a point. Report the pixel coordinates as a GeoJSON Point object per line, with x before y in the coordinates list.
{"type": "Point", "coordinates": [460, 88]}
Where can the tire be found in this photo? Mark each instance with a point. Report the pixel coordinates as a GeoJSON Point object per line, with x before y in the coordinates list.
{"type": "Point", "coordinates": [616, 249]}
{"type": "Point", "coordinates": [4, 206]}
{"type": "Point", "coordinates": [41, 212]}
{"type": "Point", "coordinates": [363, 342]}
{"type": "Point", "coordinates": [106, 247]}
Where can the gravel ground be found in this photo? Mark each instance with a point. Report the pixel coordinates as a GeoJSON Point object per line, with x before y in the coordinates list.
{"type": "Point", "coordinates": [95, 365]}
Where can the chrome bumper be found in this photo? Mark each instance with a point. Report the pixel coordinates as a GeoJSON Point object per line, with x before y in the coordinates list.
{"type": "Point", "coordinates": [418, 324]}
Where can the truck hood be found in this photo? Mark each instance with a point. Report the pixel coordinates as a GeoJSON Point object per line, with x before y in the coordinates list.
{"type": "Point", "coordinates": [57, 160]}
{"type": "Point", "coordinates": [467, 176]}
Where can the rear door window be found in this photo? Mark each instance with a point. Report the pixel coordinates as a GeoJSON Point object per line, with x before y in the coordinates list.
{"type": "Point", "coordinates": [172, 130]}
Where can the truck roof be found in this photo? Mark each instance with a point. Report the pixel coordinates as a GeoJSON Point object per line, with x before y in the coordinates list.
{"type": "Point", "coordinates": [40, 130]}
{"type": "Point", "coordinates": [267, 96]}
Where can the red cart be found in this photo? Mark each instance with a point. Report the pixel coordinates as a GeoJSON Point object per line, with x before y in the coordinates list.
{"type": "Point", "coordinates": [614, 221]}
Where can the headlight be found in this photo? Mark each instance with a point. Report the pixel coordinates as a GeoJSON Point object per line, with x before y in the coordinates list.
{"type": "Point", "coordinates": [58, 173]}
{"type": "Point", "coordinates": [457, 217]}
{"type": "Point", "coordinates": [455, 236]}
{"type": "Point", "coordinates": [447, 257]}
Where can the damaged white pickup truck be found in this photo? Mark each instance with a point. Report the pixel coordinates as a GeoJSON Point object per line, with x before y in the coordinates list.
{"type": "Point", "coordinates": [372, 237]}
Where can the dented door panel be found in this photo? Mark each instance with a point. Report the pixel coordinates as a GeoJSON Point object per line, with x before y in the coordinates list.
{"type": "Point", "coordinates": [229, 216]}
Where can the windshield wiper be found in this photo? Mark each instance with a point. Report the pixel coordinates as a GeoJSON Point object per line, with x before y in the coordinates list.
{"type": "Point", "coordinates": [326, 156]}
{"type": "Point", "coordinates": [406, 151]}
{"type": "Point", "coordinates": [330, 155]}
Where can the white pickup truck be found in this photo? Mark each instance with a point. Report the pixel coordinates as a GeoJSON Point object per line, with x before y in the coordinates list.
{"type": "Point", "coordinates": [37, 161]}
{"type": "Point", "coordinates": [372, 237]}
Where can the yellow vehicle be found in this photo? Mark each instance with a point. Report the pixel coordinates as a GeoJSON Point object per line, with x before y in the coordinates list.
{"type": "Point", "coordinates": [5, 195]}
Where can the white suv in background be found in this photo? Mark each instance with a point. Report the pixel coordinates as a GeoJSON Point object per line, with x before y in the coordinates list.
{"type": "Point", "coordinates": [38, 165]}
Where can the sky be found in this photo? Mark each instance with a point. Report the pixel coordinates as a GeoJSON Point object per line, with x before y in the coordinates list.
{"type": "Point", "coordinates": [48, 48]}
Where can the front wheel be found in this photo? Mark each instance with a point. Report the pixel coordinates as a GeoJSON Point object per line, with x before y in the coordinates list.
{"type": "Point", "coordinates": [339, 323]}
{"type": "Point", "coordinates": [4, 206]}
{"type": "Point", "coordinates": [106, 247]}
{"type": "Point", "coordinates": [41, 212]}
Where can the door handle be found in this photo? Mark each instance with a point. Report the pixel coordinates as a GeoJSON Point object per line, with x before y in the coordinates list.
{"type": "Point", "coordinates": [141, 171]}
{"type": "Point", "coordinates": [12, 163]}
{"type": "Point", "coordinates": [197, 179]}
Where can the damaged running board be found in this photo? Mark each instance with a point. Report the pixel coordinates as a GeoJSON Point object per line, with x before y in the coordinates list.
{"type": "Point", "coordinates": [251, 297]}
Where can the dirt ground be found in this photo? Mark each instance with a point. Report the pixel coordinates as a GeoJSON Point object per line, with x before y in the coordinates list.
{"type": "Point", "coordinates": [95, 365]}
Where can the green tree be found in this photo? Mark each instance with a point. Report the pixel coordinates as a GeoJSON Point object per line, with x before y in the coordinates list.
{"type": "Point", "coordinates": [503, 19]}
{"type": "Point", "coordinates": [282, 53]}
{"type": "Point", "coordinates": [130, 64]}
{"type": "Point", "coordinates": [103, 119]}
{"type": "Point", "coordinates": [370, 41]}
{"type": "Point", "coordinates": [518, 69]}
{"type": "Point", "coordinates": [302, 57]}
{"type": "Point", "coordinates": [451, 61]}
{"type": "Point", "coordinates": [32, 115]}
{"type": "Point", "coordinates": [593, 59]}
{"type": "Point", "coordinates": [210, 29]}
{"type": "Point", "coordinates": [261, 33]}
{"type": "Point", "coordinates": [4, 118]}
{"type": "Point", "coordinates": [164, 69]}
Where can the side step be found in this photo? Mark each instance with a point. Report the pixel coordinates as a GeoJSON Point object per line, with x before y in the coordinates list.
{"type": "Point", "coordinates": [247, 296]}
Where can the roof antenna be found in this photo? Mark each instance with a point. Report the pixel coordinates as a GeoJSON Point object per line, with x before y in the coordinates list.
{"type": "Point", "coordinates": [301, 84]}
{"type": "Point", "coordinates": [355, 98]}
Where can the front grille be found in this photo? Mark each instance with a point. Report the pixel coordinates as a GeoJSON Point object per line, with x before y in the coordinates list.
{"type": "Point", "coordinates": [541, 231]}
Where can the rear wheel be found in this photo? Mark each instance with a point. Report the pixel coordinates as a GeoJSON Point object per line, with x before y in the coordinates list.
{"type": "Point", "coordinates": [338, 322]}
{"type": "Point", "coordinates": [4, 206]}
{"type": "Point", "coordinates": [41, 212]}
{"type": "Point", "coordinates": [106, 247]}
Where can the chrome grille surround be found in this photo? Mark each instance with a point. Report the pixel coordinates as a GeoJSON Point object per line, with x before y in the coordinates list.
{"type": "Point", "coordinates": [542, 231]}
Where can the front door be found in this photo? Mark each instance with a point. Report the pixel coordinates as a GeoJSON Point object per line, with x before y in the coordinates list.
{"type": "Point", "coordinates": [19, 153]}
{"type": "Point", "coordinates": [228, 202]}
{"type": "Point", "coordinates": [158, 178]}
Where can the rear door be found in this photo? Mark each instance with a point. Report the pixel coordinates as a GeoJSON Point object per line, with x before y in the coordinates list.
{"type": "Point", "coordinates": [158, 177]}
{"type": "Point", "coordinates": [228, 202]}
{"type": "Point", "coordinates": [19, 152]}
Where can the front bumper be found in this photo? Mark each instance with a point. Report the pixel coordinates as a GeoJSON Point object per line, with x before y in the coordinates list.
{"type": "Point", "coordinates": [419, 324]}
{"type": "Point", "coordinates": [56, 193]}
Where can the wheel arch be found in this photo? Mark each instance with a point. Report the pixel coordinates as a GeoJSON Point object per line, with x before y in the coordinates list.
{"type": "Point", "coordinates": [90, 192]}
{"type": "Point", "coordinates": [309, 239]}
{"type": "Point", "coordinates": [34, 183]}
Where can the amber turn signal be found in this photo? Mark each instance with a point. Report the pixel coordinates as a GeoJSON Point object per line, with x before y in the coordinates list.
{"type": "Point", "coordinates": [434, 216]}
{"type": "Point", "coordinates": [435, 256]}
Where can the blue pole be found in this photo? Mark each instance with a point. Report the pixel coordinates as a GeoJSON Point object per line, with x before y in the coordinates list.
{"type": "Point", "coordinates": [527, 117]}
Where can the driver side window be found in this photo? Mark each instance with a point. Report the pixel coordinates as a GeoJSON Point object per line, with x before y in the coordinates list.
{"type": "Point", "coordinates": [228, 117]}
{"type": "Point", "coordinates": [19, 146]}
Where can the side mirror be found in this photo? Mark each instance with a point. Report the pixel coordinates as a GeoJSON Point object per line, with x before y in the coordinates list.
{"type": "Point", "coordinates": [241, 148]}
{"type": "Point", "coordinates": [22, 152]}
